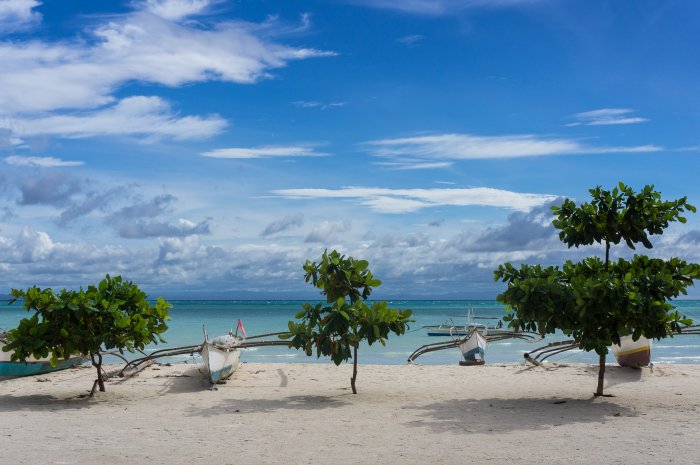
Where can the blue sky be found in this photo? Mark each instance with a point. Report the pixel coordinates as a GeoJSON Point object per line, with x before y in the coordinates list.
{"type": "Point", "coordinates": [207, 148]}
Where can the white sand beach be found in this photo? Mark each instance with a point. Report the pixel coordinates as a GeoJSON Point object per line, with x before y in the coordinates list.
{"type": "Point", "coordinates": [306, 414]}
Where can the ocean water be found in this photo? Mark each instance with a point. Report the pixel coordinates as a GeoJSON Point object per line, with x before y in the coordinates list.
{"type": "Point", "coordinates": [258, 317]}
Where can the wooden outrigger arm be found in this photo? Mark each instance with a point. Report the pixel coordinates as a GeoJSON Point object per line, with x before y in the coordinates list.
{"type": "Point", "coordinates": [546, 351]}
{"type": "Point", "coordinates": [692, 329]}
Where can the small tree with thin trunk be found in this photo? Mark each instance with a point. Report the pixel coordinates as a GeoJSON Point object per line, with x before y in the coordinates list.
{"type": "Point", "coordinates": [594, 301]}
{"type": "Point", "coordinates": [113, 315]}
{"type": "Point", "coordinates": [337, 328]}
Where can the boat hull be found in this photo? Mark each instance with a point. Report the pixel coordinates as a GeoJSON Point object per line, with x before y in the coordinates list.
{"type": "Point", "coordinates": [474, 349]}
{"type": "Point", "coordinates": [220, 362]}
{"type": "Point", "coordinates": [33, 366]}
{"type": "Point", "coordinates": [633, 353]}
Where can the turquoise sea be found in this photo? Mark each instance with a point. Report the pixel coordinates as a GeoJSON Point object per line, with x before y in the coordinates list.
{"type": "Point", "coordinates": [219, 316]}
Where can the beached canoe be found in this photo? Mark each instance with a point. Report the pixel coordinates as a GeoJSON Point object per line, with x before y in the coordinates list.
{"type": "Point", "coordinates": [633, 353]}
{"type": "Point", "coordinates": [221, 356]}
{"type": "Point", "coordinates": [33, 366]}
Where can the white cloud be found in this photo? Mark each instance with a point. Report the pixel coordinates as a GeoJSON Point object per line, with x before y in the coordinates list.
{"type": "Point", "coordinates": [44, 162]}
{"type": "Point", "coordinates": [414, 165]}
{"type": "Point", "coordinates": [326, 231]}
{"type": "Point", "coordinates": [605, 117]}
{"type": "Point", "coordinates": [384, 200]}
{"type": "Point", "coordinates": [133, 116]}
{"type": "Point", "coordinates": [44, 76]}
{"type": "Point", "coordinates": [286, 223]}
{"type": "Point", "coordinates": [178, 9]}
{"type": "Point", "coordinates": [18, 15]}
{"type": "Point", "coordinates": [270, 151]}
{"type": "Point", "coordinates": [321, 105]}
{"type": "Point", "coordinates": [438, 7]}
{"type": "Point", "coordinates": [409, 151]}
{"type": "Point", "coordinates": [413, 39]}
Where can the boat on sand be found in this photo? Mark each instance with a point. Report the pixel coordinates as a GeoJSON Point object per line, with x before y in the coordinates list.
{"type": "Point", "coordinates": [32, 366]}
{"type": "Point", "coordinates": [221, 356]}
{"type": "Point", "coordinates": [473, 348]}
{"type": "Point", "coordinates": [631, 353]}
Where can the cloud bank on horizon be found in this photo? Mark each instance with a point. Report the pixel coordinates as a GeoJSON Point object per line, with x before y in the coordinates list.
{"type": "Point", "coordinates": [207, 148]}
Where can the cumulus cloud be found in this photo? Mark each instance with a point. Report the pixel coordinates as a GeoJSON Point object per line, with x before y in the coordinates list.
{"type": "Point", "coordinates": [7, 214]}
{"type": "Point", "coordinates": [178, 9]}
{"type": "Point", "coordinates": [18, 15]}
{"type": "Point", "coordinates": [32, 246]}
{"type": "Point", "coordinates": [44, 162]}
{"type": "Point", "coordinates": [133, 116]}
{"type": "Point", "coordinates": [438, 7]}
{"type": "Point", "coordinates": [41, 76]}
{"type": "Point", "coordinates": [91, 202]}
{"type": "Point", "coordinates": [690, 237]}
{"type": "Point", "coordinates": [286, 223]}
{"type": "Point", "coordinates": [48, 188]}
{"type": "Point", "coordinates": [138, 221]}
{"type": "Point", "coordinates": [384, 200]}
{"type": "Point", "coordinates": [415, 151]}
{"type": "Point", "coordinates": [529, 230]}
{"type": "Point", "coordinates": [181, 228]}
{"type": "Point", "coordinates": [326, 231]}
{"type": "Point", "coordinates": [606, 117]}
{"type": "Point", "coordinates": [270, 151]}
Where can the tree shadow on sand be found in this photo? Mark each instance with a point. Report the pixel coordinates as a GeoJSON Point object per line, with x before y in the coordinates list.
{"type": "Point", "coordinates": [43, 402]}
{"type": "Point", "coordinates": [503, 415]}
{"type": "Point", "coordinates": [228, 406]}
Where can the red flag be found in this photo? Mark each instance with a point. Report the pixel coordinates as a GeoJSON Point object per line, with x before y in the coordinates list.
{"type": "Point", "coordinates": [241, 329]}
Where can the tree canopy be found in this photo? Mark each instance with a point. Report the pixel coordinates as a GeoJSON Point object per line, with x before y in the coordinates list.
{"type": "Point", "coordinates": [114, 315]}
{"type": "Point", "coordinates": [595, 302]}
{"type": "Point", "coordinates": [337, 327]}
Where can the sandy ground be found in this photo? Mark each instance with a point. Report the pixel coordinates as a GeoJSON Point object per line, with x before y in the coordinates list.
{"type": "Point", "coordinates": [306, 414]}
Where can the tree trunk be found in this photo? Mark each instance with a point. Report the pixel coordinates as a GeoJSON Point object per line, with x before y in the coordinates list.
{"type": "Point", "coordinates": [601, 375]}
{"type": "Point", "coordinates": [354, 370]}
{"type": "Point", "coordinates": [607, 254]}
{"type": "Point", "coordinates": [97, 363]}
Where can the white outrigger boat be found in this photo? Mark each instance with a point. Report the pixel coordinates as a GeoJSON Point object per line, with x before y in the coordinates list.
{"type": "Point", "coordinates": [221, 356]}
{"type": "Point", "coordinates": [473, 344]}
{"type": "Point", "coordinates": [473, 347]}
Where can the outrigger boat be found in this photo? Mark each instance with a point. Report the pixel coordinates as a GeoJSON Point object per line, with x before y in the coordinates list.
{"type": "Point", "coordinates": [629, 353]}
{"type": "Point", "coordinates": [450, 328]}
{"type": "Point", "coordinates": [32, 366]}
{"type": "Point", "coordinates": [473, 348]}
{"type": "Point", "coordinates": [221, 356]}
{"type": "Point", "coordinates": [473, 345]}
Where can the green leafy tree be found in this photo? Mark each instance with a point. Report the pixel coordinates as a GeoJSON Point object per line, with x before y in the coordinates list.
{"type": "Point", "coordinates": [115, 315]}
{"type": "Point", "coordinates": [337, 327]}
{"type": "Point", "coordinates": [594, 301]}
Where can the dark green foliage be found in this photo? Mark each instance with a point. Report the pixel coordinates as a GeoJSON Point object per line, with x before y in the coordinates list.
{"type": "Point", "coordinates": [337, 327]}
{"type": "Point", "coordinates": [595, 302]}
{"type": "Point", "coordinates": [620, 214]}
{"type": "Point", "coordinates": [115, 315]}
{"type": "Point", "coordinates": [340, 277]}
{"type": "Point", "coordinates": [594, 306]}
